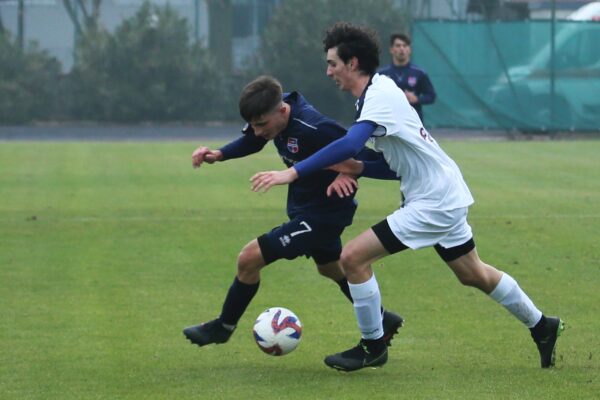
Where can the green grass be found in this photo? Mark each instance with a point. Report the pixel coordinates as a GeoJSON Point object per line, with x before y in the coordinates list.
{"type": "Point", "coordinates": [107, 250]}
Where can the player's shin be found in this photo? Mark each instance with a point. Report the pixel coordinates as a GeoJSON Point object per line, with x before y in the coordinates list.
{"type": "Point", "coordinates": [367, 306]}
{"type": "Point", "coordinates": [513, 298]}
{"type": "Point", "coordinates": [237, 300]}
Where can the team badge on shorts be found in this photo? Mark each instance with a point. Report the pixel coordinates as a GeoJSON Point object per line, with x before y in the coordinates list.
{"type": "Point", "coordinates": [292, 145]}
{"type": "Point", "coordinates": [412, 80]}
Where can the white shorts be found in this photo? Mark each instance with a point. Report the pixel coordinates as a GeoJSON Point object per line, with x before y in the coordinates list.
{"type": "Point", "coordinates": [418, 228]}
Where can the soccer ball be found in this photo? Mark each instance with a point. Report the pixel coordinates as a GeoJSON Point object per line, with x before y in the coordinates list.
{"type": "Point", "coordinates": [277, 331]}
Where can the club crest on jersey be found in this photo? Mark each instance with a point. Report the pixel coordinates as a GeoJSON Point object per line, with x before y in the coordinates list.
{"type": "Point", "coordinates": [412, 80]}
{"type": "Point", "coordinates": [292, 145]}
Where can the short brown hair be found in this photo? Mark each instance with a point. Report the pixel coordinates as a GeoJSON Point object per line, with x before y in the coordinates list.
{"type": "Point", "coordinates": [401, 36]}
{"type": "Point", "coordinates": [259, 97]}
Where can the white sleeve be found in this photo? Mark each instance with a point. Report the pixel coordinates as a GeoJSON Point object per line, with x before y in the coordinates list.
{"type": "Point", "coordinates": [378, 109]}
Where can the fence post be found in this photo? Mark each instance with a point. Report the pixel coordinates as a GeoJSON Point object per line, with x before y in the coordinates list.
{"type": "Point", "coordinates": [552, 66]}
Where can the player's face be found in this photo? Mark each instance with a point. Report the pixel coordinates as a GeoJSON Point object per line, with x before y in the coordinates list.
{"type": "Point", "coordinates": [400, 51]}
{"type": "Point", "coordinates": [338, 70]}
{"type": "Point", "coordinates": [271, 124]}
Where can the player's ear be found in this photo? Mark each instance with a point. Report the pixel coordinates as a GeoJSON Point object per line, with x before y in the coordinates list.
{"type": "Point", "coordinates": [282, 108]}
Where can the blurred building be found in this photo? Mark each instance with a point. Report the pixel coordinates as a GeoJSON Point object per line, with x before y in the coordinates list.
{"type": "Point", "coordinates": [232, 28]}
{"type": "Point", "coordinates": [48, 23]}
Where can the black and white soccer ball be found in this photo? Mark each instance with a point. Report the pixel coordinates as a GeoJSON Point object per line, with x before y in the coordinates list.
{"type": "Point", "coordinates": [277, 331]}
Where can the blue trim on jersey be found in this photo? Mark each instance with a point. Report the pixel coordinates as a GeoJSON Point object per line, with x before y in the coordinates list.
{"type": "Point", "coordinates": [361, 100]}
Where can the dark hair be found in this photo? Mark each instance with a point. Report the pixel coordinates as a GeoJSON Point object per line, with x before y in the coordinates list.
{"type": "Point", "coordinates": [401, 36]}
{"type": "Point", "coordinates": [354, 41]}
{"type": "Point", "coordinates": [259, 97]}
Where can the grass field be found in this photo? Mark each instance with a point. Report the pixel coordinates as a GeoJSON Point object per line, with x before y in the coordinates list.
{"type": "Point", "coordinates": [107, 250]}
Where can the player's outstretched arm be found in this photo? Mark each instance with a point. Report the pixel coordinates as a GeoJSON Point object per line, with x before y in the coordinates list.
{"type": "Point", "coordinates": [205, 155]}
{"type": "Point", "coordinates": [264, 180]}
{"type": "Point", "coordinates": [334, 153]}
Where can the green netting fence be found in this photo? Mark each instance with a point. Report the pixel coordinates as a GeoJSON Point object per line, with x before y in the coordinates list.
{"type": "Point", "coordinates": [511, 75]}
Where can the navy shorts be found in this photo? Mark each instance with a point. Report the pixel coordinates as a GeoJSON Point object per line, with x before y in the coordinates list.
{"type": "Point", "coordinates": [302, 237]}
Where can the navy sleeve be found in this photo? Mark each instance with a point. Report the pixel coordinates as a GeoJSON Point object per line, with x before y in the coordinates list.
{"type": "Point", "coordinates": [338, 151]}
{"type": "Point", "coordinates": [368, 154]}
{"type": "Point", "coordinates": [378, 169]}
{"type": "Point", "coordinates": [243, 146]}
{"type": "Point", "coordinates": [426, 91]}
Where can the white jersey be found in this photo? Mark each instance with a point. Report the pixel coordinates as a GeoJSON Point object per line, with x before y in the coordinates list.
{"type": "Point", "coordinates": [428, 175]}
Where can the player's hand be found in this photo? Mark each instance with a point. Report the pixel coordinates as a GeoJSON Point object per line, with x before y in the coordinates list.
{"type": "Point", "coordinates": [264, 180]}
{"type": "Point", "coordinates": [343, 185]}
{"type": "Point", "coordinates": [204, 154]}
{"type": "Point", "coordinates": [411, 97]}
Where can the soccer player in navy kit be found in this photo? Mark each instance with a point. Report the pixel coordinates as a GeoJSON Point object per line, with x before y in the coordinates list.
{"type": "Point", "coordinates": [409, 77]}
{"type": "Point", "coordinates": [434, 211]}
{"type": "Point", "coordinates": [316, 222]}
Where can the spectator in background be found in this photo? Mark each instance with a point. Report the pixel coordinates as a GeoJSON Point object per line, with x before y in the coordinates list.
{"type": "Point", "coordinates": [409, 77]}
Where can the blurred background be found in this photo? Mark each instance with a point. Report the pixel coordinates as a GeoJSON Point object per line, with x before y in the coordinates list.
{"type": "Point", "coordinates": [509, 65]}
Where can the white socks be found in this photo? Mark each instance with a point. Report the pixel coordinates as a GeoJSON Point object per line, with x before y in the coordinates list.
{"type": "Point", "coordinates": [367, 307]}
{"type": "Point", "coordinates": [367, 304]}
{"type": "Point", "coordinates": [511, 296]}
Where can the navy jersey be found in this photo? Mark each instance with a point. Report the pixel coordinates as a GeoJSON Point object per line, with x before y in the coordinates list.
{"type": "Point", "coordinates": [307, 132]}
{"type": "Point", "coordinates": [414, 79]}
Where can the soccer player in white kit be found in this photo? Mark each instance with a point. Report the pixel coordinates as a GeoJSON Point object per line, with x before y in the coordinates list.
{"type": "Point", "coordinates": [434, 210]}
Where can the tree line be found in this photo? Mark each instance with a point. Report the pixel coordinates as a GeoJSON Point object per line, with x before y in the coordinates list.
{"type": "Point", "coordinates": [150, 69]}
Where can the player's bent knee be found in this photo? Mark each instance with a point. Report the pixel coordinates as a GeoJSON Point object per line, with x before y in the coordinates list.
{"type": "Point", "coordinates": [250, 259]}
{"type": "Point", "coordinates": [350, 260]}
{"type": "Point", "coordinates": [473, 277]}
